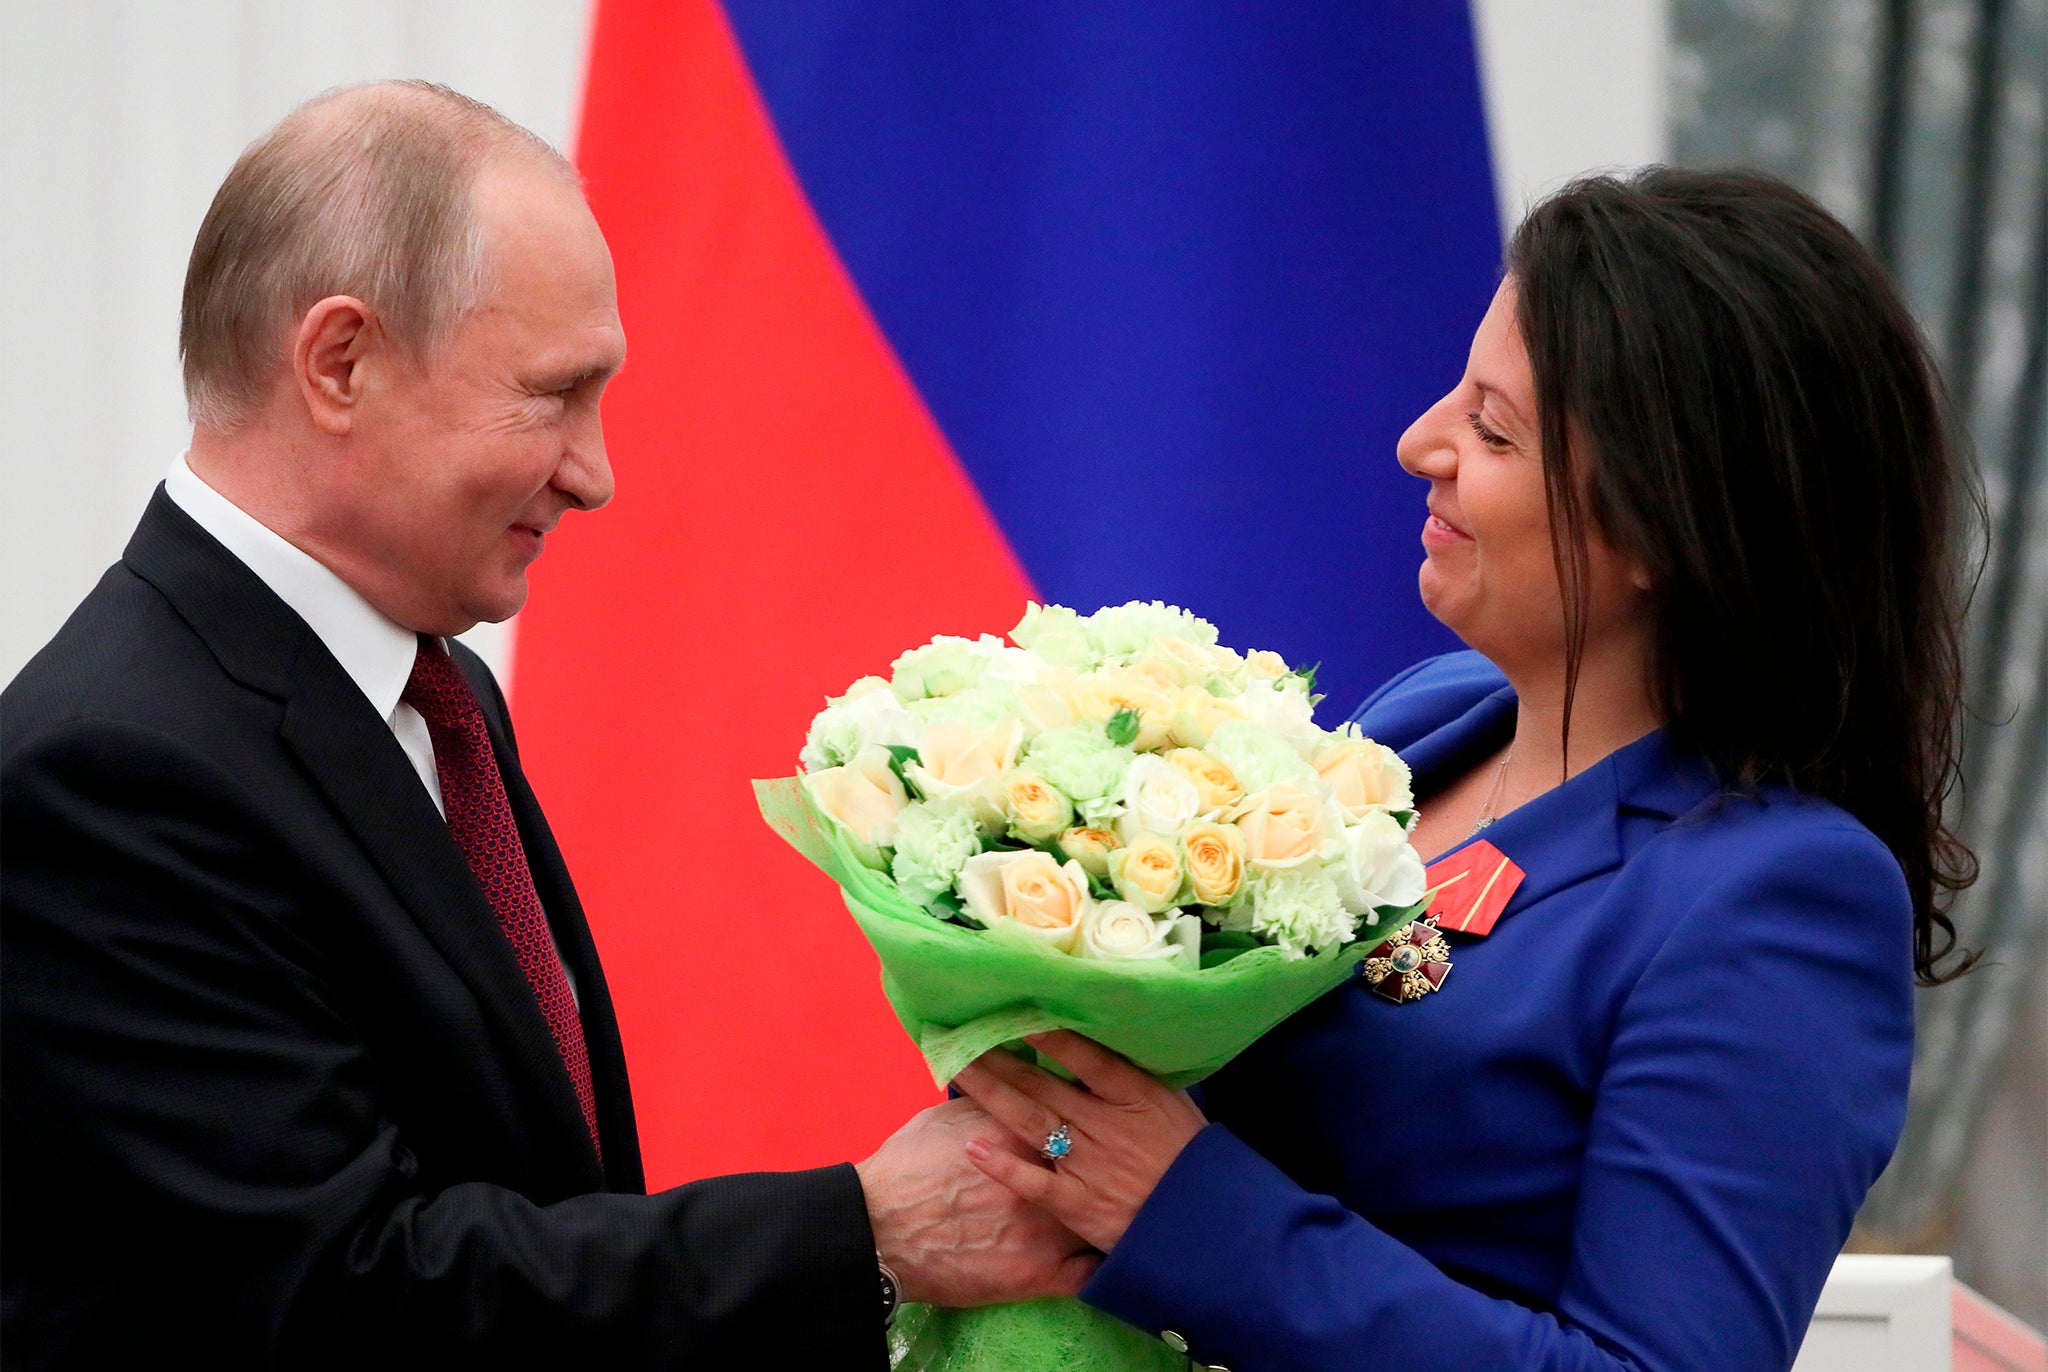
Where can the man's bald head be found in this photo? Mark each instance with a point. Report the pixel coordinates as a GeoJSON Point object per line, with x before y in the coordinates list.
{"type": "Point", "coordinates": [362, 192]}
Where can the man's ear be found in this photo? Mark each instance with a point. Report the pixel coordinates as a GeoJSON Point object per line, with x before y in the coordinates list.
{"type": "Point", "coordinates": [328, 351]}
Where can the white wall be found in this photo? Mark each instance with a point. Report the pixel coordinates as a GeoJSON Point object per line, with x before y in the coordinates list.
{"type": "Point", "coordinates": [118, 118]}
{"type": "Point", "coordinates": [1571, 86]}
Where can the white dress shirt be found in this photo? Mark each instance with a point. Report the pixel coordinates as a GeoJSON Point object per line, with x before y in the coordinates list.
{"type": "Point", "coordinates": [376, 652]}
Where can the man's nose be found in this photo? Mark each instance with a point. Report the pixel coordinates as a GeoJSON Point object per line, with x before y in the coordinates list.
{"type": "Point", "coordinates": [585, 475]}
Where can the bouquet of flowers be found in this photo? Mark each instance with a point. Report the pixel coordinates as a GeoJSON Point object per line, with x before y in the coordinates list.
{"type": "Point", "coordinates": [1110, 824]}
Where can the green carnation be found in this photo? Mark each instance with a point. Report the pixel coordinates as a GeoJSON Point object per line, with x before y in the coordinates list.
{"type": "Point", "coordinates": [1080, 760]}
{"type": "Point", "coordinates": [1122, 631]}
{"type": "Point", "coordinates": [933, 842]}
{"type": "Point", "coordinates": [1300, 910]}
{"type": "Point", "coordinates": [1259, 758]}
{"type": "Point", "coordinates": [1058, 635]}
{"type": "Point", "coordinates": [943, 667]}
{"type": "Point", "coordinates": [979, 707]}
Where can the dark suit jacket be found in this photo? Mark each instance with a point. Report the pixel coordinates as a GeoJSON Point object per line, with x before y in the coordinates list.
{"type": "Point", "coordinates": [275, 1091]}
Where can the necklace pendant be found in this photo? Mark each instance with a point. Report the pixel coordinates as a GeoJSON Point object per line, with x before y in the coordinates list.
{"type": "Point", "coordinates": [1409, 965]}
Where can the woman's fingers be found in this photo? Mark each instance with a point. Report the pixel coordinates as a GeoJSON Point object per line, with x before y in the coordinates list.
{"type": "Point", "coordinates": [1107, 1076]}
{"type": "Point", "coordinates": [1038, 1185]}
{"type": "Point", "coordinates": [1016, 1095]}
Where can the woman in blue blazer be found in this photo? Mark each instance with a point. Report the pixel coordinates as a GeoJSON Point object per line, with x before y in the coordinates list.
{"type": "Point", "coordinates": [1690, 506]}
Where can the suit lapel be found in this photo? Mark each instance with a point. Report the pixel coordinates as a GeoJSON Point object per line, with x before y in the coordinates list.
{"type": "Point", "coordinates": [350, 755]}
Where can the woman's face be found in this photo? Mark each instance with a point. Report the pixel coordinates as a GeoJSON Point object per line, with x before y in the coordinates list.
{"type": "Point", "coordinates": [1489, 574]}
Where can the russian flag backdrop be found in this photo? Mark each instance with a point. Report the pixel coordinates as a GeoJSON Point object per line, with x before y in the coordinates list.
{"type": "Point", "coordinates": [933, 308]}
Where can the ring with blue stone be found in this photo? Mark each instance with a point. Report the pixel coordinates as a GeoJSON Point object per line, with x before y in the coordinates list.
{"type": "Point", "coordinates": [1057, 1145]}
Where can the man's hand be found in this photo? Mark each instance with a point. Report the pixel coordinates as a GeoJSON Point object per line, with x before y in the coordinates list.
{"type": "Point", "coordinates": [952, 1234]}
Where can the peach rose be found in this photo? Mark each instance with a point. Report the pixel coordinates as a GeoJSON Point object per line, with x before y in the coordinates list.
{"type": "Point", "coordinates": [1283, 827]}
{"type": "Point", "coordinates": [1090, 847]}
{"type": "Point", "coordinates": [1212, 776]}
{"type": "Point", "coordinates": [1037, 812]}
{"type": "Point", "coordinates": [863, 798]}
{"type": "Point", "coordinates": [1215, 857]}
{"type": "Point", "coordinates": [1027, 893]}
{"type": "Point", "coordinates": [1197, 715]}
{"type": "Point", "coordinates": [1147, 873]}
{"type": "Point", "coordinates": [1364, 776]}
{"type": "Point", "coordinates": [1100, 695]}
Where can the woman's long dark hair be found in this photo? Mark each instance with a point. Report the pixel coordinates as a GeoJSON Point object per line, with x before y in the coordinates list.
{"type": "Point", "coordinates": [1728, 384]}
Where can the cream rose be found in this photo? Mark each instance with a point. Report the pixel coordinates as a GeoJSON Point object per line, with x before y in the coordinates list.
{"type": "Point", "coordinates": [1158, 798]}
{"type": "Point", "coordinates": [1284, 827]}
{"type": "Point", "coordinates": [1197, 715]}
{"type": "Point", "coordinates": [1147, 873]}
{"type": "Point", "coordinates": [1090, 847]}
{"type": "Point", "coordinates": [1215, 861]}
{"type": "Point", "coordinates": [1027, 894]}
{"type": "Point", "coordinates": [864, 797]}
{"type": "Point", "coordinates": [1265, 665]}
{"type": "Point", "coordinates": [1118, 931]}
{"type": "Point", "coordinates": [965, 765]}
{"type": "Point", "coordinates": [1364, 776]}
{"type": "Point", "coordinates": [1037, 812]}
{"type": "Point", "coordinates": [1212, 777]}
{"type": "Point", "coordinates": [1188, 664]}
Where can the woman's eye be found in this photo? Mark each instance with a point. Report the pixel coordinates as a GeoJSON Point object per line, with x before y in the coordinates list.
{"type": "Point", "coordinates": [1487, 436]}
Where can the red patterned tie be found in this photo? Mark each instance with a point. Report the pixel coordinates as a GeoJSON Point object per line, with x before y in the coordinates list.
{"type": "Point", "coordinates": [480, 819]}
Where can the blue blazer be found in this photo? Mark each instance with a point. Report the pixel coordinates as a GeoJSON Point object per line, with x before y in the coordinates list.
{"type": "Point", "coordinates": [1631, 1131]}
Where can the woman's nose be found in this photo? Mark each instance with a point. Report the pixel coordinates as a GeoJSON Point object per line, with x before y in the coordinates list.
{"type": "Point", "coordinates": [1428, 448]}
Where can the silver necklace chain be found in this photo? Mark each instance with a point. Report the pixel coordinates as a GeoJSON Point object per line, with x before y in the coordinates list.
{"type": "Point", "coordinates": [1500, 776]}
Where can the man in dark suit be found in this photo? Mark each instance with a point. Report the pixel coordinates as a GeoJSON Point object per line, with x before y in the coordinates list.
{"type": "Point", "coordinates": [309, 1059]}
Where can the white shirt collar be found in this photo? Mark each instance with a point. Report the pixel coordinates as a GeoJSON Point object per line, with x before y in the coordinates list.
{"type": "Point", "coordinates": [376, 652]}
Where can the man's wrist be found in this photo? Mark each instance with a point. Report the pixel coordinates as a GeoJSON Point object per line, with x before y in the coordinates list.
{"type": "Point", "coordinates": [892, 1291]}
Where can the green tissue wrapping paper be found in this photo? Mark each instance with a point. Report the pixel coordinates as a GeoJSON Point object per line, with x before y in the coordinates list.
{"type": "Point", "coordinates": [959, 992]}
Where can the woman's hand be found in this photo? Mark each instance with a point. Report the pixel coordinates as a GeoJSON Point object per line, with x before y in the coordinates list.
{"type": "Point", "coordinates": [1125, 1130]}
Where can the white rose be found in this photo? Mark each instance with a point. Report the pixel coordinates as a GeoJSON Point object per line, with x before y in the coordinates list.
{"type": "Point", "coordinates": [1282, 709]}
{"type": "Point", "coordinates": [1118, 931]}
{"type": "Point", "coordinates": [863, 798]}
{"type": "Point", "coordinates": [867, 716]}
{"type": "Point", "coordinates": [1027, 895]}
{"type": "Point", "coordinates": [1158, 798]}
{"type": "Point", "coordinates": [1380, 866]}
{"type": "Point", "coordinates": [1009, 666]}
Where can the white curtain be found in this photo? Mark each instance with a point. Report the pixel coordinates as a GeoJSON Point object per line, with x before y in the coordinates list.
{"type": "Point", "coordinates": [118, 118]}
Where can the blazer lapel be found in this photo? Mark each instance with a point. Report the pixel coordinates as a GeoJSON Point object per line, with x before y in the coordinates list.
{"type": "Point", "coordinates": [350, 755]}
{"type": "Point", "coordinates": [1565, 835]}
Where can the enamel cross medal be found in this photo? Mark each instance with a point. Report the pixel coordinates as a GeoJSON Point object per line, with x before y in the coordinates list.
{"type": "Point", "coordinates": [1471, 887]}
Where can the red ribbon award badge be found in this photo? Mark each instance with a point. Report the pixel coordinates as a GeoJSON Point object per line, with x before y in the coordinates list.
{"type": "Point", "coordinates": [1473, 886]}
